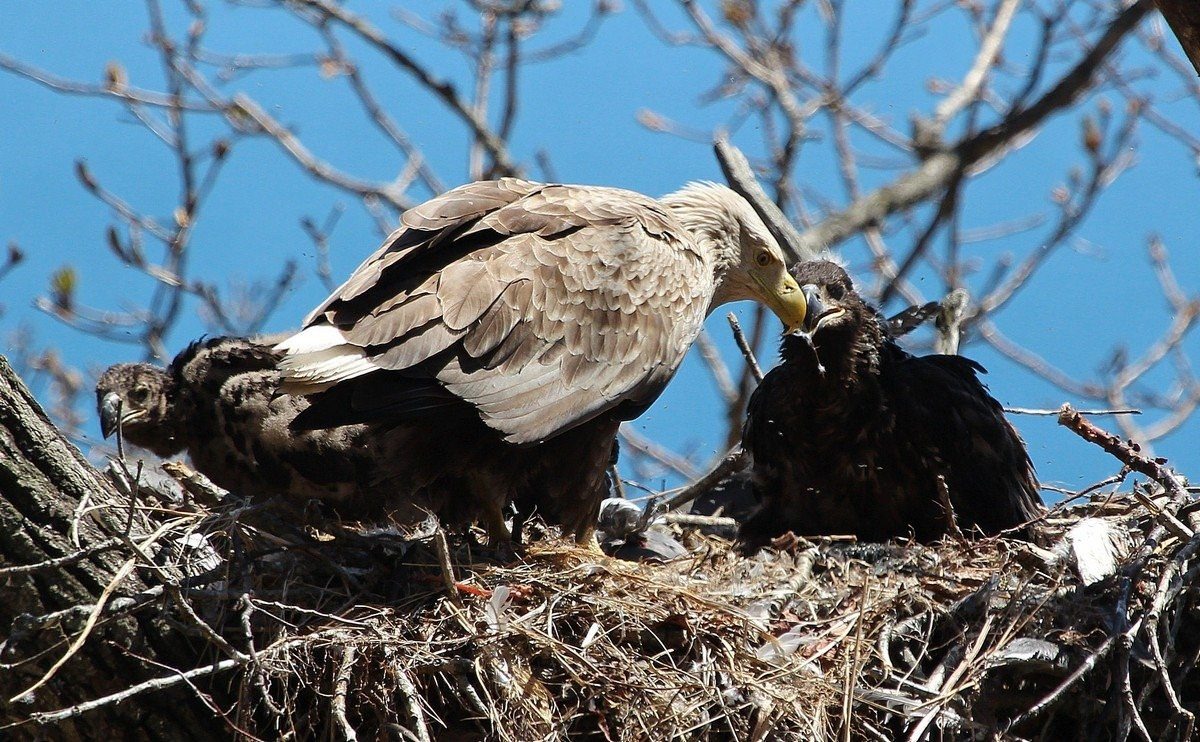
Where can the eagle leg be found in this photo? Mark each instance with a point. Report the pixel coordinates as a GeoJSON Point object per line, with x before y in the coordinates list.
{"type": "Point", "coordinates": [494, 524]}
{"type": "Point", "coordinates": [585, 537]}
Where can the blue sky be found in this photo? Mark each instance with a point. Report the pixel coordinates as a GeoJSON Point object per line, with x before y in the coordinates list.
{"type": "Point", "coordinates": [1094, 294]}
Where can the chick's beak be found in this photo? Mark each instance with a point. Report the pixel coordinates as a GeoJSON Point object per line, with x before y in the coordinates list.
{"type": "Point", "coordinates": [110, 413]}
{"type": "Point", "coordinates": [816, 307]}
{"type": "Point", "coordinates": [782, 295]}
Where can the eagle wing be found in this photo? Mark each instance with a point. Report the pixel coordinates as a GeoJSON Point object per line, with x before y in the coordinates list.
{"type": "Point", "coordinates": [539, 305]}
{"type": "Point", "coordinates": [949, 414]}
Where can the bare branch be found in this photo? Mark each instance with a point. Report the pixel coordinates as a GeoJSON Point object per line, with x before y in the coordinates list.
{"type": "Point", "coordinates": [496, 149]}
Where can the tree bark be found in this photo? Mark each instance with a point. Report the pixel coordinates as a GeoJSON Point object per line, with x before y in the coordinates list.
{"type": "Point", "coordinates": [1183, 16]}
{"type": "Point", "coordinates": [43, 481]}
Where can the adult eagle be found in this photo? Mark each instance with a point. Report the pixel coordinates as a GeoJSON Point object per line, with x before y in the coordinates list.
{"type": "Point", "coordinates": [849, 433]}
{"type": "Point", "coordinates": [216, 400]}
{"type": "Point", "coordinates": [505, 330]}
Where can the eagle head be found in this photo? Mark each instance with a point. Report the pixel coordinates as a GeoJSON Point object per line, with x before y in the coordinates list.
{"type": "Point", "coordinates": [136, 398]}
{"type": "Point", "coordinates": [839, 326]}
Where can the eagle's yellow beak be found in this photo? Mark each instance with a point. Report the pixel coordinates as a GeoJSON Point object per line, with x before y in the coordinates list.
{"type": "Point", "coordinates": [780, 292]}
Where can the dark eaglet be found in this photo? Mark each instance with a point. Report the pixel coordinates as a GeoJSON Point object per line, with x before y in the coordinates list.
{"type": "Point", "coordinates": [218, 401]}
{"type": "Point", "coordinates": [849, 433]}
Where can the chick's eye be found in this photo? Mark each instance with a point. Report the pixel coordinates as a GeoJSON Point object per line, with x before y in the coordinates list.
{"type": "Point", "coordinates": [141, 394]}
{"type": "Point", "coordinates": [763, 259]}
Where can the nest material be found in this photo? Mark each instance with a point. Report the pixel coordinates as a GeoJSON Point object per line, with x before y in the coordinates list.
{"type": "Point", "coordinates": [329, 631]}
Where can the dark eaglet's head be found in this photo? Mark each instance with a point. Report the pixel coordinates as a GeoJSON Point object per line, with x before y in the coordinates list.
{"type": "Point", "coordinates": [136, 398]}
{"type": "Point", "coordinates": [838, 320]}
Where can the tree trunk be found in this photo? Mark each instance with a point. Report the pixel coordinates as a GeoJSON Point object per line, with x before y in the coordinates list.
{"type": "Point", "coordinates": [1184, 18]}
{"type": "Point", "coordinates": [43, 482]}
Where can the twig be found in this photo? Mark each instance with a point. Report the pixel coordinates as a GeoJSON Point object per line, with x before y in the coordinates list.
{"type": "Point", "coordinates": [747, 352]}
{"type": "Point", "coordinates": [1126, 453]}
{"type": "Point", "coordinates": [1048, 412]}
{"type": "Point", "coordinates": [443, 89]}
{"type": "Point", "coordinates": [443, 554]}
{"type": "Point", "coordinates": [940, 169]}
{"type": "Point", "coordinates": [124, 571]}
{"type": "Point", "coordinates": [852, 673]}
{"type": "Point", "coordinates": [733, 461]}
{"type": "Point", "coordinates": [741, 179]}
{"type": "Point", "coordinates": [664, 456]}
{"type": "Point", "coordinates": [61, 561]}
{"type": "Point", "coordinates": [985, 60]}
{"type": "Point", "coordinates": [341, 688]}
{"type": "Point", "coordinates": [700, 521]}
{"type": "Point", "coordinates": [195, 483]}
{"type": "Point", "coordinates": [952, 528]}
{"type": "Point", "coordinates": [1087, 666]}
{"type": "Point", "coordinates": [1169, 521]}
{"type": "Point", "coordinates": [412, 703]}
{"type": "Point", "coordinates": [712, 358]}
{"type": "Point", "coordinates": [949, 320]}
{"type": "Point", "coordinates": [46, 717]}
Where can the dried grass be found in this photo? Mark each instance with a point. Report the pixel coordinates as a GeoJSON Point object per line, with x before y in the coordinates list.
{"type": "Point", "coordinates": [329, 631]}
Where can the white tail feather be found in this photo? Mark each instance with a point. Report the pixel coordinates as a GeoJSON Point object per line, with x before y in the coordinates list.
{"type": "Point", "coordinates": [318, 357]}
{"type": "Point", "coordinates": [310, 339]}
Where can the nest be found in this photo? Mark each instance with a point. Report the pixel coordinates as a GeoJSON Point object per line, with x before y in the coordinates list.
{"type": "Point", "coordinates": [302, 627]}
{"type": "Point", "coordinates": [312, 629]}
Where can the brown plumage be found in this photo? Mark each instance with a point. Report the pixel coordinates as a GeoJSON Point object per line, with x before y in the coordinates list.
{"type": "Point", "coordinates": [215, 401]}
{"type": "Point", "coordinates": [849, 433]}
{"type": "Point", "coordinates": [508, 327]}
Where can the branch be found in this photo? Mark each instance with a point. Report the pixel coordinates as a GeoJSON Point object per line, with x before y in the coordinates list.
{"type": "Point", "coordinates": [747, 352]}
{"type": "Point", "coordinates": [1183, 16]}
{"type": "Point", "coordinates": [121, 92]}
{"type": "Point", "coordinates": [936, 172]}
{"type": "Point", "coordinates": [989, 49]}
{"type": "Point", "coordinates": [1128, 453]}
{"type": "Point", "coordinates": [733, 462]}
{"type": "Point", "coordinates": [741, 179]}
{"type": "Point", "coordinates": [443, 89]}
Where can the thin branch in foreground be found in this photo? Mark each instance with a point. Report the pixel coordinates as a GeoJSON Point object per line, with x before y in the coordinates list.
{"type": "Point", "coordinates": [1047, 412]}
{"type": "Point", "coordinates": [952, 527]}
{"type": "Point", "coordinates": [153, 684]}
{"type": "Point", "coordinates": [733, 462]}
{"type": "Point", "coordinates": [741, 178]}
{"type": "Point", "coordinates": [1127, 453]}
{"type": "Point", "coordinates": [747, 352]}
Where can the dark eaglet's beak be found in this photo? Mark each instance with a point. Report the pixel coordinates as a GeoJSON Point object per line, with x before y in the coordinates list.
{"type": "Point", "coordinates": [110, 413]}
{"type": "Point", "coordinates": [816, 308]}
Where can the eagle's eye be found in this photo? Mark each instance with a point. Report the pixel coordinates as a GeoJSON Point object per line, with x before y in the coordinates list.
{"type": "Point", "coordinates": [763, 259]}
{"type": "Point", "coordinates": [139, 395]}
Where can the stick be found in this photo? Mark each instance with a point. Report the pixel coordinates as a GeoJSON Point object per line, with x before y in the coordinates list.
{"type": "Point", "coordinates": [412, 704]}
{"type": "Point", "coordinates": [952, 528]}
{"type": "Point", "coordinates": [46, 717]}
{"type": "Point", "coordinates": [62, 560]}
{"type": "Point", "coordinates": [741, 179]}
{"type": "Point", "coordinates": [700, 521]}
{"type": "Point", "coordinates": [747, 352]}
{"type": "Point", "coordinates": [125, 570]}
{"type": "Point", "coordinates": [1169, 521]}
{"type": "Point", "coordinates": [731, 463]}
{"type": "Point", "coordinates": [949, 320]}
{"type": "Point", "coordinates": [1127, 453]}
{"type": "Point", "coordinates": [443, 554]}
{"type": "Point", "coordinates": [340, 691]}
{"type": "Point", "coordinates": [1039, 411]}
